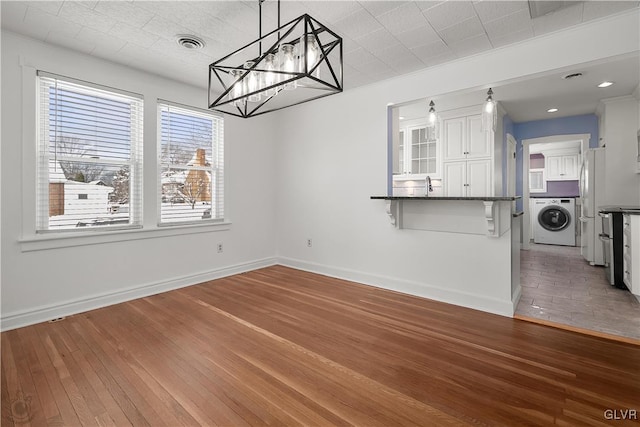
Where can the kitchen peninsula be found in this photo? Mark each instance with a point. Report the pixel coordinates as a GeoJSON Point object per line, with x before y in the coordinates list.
{"type": "Point", "coordinates": [486, 233]}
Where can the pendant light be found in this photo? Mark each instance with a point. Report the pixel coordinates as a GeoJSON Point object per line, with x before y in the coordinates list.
{"type": "Point", "coordinates": [432, 118]}
{"type": "Point", "coordinates": [302, 61]}
{"type": "Point", "coordinates": [432, 121]}
{"type": "Point", "coordinates": [489, 113]}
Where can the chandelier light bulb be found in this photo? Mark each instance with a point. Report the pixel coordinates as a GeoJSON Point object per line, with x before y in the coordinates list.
{"type": "Point", "coordinates": [270, 78]}
{"type": "Point", "coordinates": [237, 88]}
{"type": "Point", "coordinates": [252, 82]}
{"type": "Point", "coordinates": [310, 55]}
{"type": "Point", "coordinates": [288, 64]}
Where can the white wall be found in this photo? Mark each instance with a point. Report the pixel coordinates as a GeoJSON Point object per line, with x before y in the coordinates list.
{"type": "Point", "coordinates": [39, 285]}
{"type": "Point", "coordinates": [314, 165]}
{"type": "Point", "coordinates": [332, 156]}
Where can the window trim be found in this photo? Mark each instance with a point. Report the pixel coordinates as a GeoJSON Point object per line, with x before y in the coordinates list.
{"type": "Point", "coordinates": [135, 160]}
{"type": "Point", "coordinates": [212, 221]}
{"type": "Point", "coordinates": [29, 240]}
{"type": "Point", "coordinates": [58, 239]}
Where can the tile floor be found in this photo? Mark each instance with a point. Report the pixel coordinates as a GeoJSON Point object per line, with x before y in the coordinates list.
{"type": "Point", "coordinates": [558, 285]}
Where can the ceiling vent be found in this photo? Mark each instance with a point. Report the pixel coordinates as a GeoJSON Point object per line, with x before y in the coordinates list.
{"type": "Point", "coordinates": [539, 8]}
{"type": "Point", "coordinates": [572, 76]}
{"type": "Point", "coordinates": [189, 42]}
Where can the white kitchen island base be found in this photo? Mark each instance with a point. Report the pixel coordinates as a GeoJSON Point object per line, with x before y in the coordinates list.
{"type": "Point", "coordinates": [479, 261]}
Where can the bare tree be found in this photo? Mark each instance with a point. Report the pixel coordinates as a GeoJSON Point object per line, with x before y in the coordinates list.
{"type": "Point", "coordinates": [121, 186]}
{"type": "Point", "coordinates": [195, 188]}
{"type": "Point", "coordinates": [77, 170]}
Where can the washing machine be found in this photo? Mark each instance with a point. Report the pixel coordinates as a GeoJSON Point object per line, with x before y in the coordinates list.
{"type": "Point", "coordinates": [554, 221]}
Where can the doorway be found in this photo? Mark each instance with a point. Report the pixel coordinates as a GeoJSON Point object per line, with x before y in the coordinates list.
{"type": "Point", "coordinates": [550, 141]}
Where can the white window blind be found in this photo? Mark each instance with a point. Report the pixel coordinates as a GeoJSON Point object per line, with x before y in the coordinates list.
{"type": "Point", "coordinates": [89, 172]}
{"type": "Point", "coordinates": [191, 181]}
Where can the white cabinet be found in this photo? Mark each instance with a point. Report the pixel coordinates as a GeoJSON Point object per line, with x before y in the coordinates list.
{"type": "Point", "coordinates": [467, 178]}
{"type": "Point", "coordinates": [631, 252]}
{"type": "Point", "coordinates": [467, 157]}
{"type": "Point", "coordinates": [419, 153]}
{"type": "Point", "coordinates": [537, 181]}
{"type": "Point", "coordinates": [464, 138]}
{"type": "Point", "coordinates": [562, 167]}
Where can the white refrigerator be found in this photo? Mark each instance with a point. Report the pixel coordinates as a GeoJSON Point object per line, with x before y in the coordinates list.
{"type": "Point", "coordinates": [592, 176]}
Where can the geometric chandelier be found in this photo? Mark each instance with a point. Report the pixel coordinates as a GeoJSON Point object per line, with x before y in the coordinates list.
{"type": "Point", "coordinates": [301, 61]}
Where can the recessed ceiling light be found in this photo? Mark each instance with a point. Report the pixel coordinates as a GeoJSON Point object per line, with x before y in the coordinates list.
{"type": "Point", "coordinates": [605, 84]}
{"type": "Point", "coordinates": [189, 42]}
{"type": "Point", "coordinates": [552, 110]}
{"type": "Point", "coordinates": [401, 117]}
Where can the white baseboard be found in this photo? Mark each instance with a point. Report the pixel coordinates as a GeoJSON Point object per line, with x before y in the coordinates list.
{"type": "Point", "coordinates": [15, 320]}
{"type": "Point", "coordinates": [477, 302]}
{"type": "Point", "coordinates": [516, 297]}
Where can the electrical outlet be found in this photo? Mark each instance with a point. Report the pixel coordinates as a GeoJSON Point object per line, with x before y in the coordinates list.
{"type": "Point", "coordinates": [220, 248]}
{"type": "Point", "coordinates": [309, 243]}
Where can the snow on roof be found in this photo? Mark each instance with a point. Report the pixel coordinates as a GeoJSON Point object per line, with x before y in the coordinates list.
{"type": "Point", "coordinates": [102, 187]}
{"type": "Point", "coordinates": [173, 177]}
{"type": "Point", "coordinates": [56, 174]}
{"type": "Point", "coordinates": [199, 159]}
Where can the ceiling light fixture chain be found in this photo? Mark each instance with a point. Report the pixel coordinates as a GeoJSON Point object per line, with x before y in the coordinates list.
{"type": "Point", "coordinates": [303, 61]}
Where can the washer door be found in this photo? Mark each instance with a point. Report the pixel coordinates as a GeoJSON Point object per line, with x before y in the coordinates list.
{"type": "Point", "coordinates": [554, 218]}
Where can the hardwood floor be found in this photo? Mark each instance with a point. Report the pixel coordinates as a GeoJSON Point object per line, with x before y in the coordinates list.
{"type": "Point", "coordinates": [279, 346]}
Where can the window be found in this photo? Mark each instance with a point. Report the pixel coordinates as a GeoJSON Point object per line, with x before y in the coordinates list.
{"type": "Point", "coordinates": [89, 156]}
{"type": "Point", "coordinates": [191, 165]}
{"type": "Point", "coordinates": [537, 181]}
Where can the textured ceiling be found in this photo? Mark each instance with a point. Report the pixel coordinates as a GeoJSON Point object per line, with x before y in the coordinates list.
{"type": "Point", "coordinates": [529, 99]}
{"type": "Point", "coordinates": [381, 38]}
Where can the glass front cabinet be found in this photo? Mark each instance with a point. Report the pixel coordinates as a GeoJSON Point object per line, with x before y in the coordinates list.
{"type": "Point", "coordinates": [418, 153]}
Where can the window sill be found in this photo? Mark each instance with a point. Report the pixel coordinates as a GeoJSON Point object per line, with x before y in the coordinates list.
{"type": "Point", "coordinates": [66, 240]}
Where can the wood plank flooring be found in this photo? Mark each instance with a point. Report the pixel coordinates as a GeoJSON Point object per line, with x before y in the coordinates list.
{"type": "Point", "coordinates": [279, 346]}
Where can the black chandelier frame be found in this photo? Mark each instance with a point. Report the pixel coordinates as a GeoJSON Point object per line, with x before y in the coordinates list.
{"type": "Point", "coordinates": [219, 73]}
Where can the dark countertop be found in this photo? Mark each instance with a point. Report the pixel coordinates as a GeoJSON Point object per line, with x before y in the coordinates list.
{"type": "Point", "coordinates": [484, 199]}
{"type": "Point", "coordinates": [632, 210]}
{"type": "Point", "coordinates": [553, 197]}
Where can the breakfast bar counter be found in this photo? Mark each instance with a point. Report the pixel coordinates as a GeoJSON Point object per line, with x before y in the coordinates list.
{"type": "Point", "coordinates": [472, 215]}
{"type": "Point", "coordinates": [479, 234]}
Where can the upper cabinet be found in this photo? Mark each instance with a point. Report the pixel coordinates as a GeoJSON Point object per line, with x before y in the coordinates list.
{"type": "Point", "coordinates": [419, 153]}
{"type": "Point", "coordinates": [467, 154]}
{"type": "Point", "coordinates": [464, 138]}
{"type": "Point", "coordinates": [562, 167]}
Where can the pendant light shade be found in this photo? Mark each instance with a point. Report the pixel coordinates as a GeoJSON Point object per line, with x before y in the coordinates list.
{"type": "Point", "coordinates": [489, 113]}
{"type": "Point", "coordinates": [432, 121]}
{"type": "Point", "coordinates": [301, 61]}
{"type": "Point", "coordinates": [432, 118]}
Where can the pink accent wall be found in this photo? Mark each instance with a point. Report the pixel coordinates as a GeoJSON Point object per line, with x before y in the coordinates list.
{"type": "Point", "coordinates": [536, 161]}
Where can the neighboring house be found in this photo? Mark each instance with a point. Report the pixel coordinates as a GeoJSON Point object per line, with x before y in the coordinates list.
{"type": "Point", "coordinates": [86, 198]}
{"type": "Point", "coordinates": [188, 185]}
{"type": "Point", "coordinates": [75, 200]}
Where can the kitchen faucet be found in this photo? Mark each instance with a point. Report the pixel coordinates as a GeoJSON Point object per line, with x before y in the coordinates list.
{"type": "Point", "coordinates": [427, 187]}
